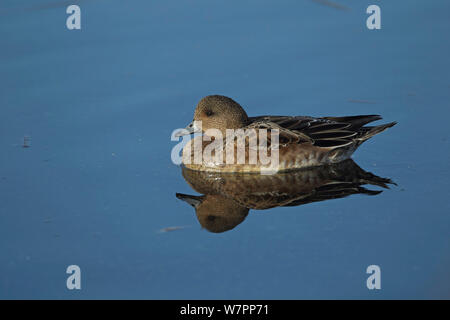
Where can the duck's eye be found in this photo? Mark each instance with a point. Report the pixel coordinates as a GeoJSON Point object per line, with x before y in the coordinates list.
{"type": "Point", "coordinates": [209, 113]}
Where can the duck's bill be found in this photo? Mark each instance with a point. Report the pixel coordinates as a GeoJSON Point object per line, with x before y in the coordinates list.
{"type": "Point", "coordinates": [190, 129]}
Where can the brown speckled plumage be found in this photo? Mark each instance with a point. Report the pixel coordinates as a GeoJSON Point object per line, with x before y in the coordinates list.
{"type": "Point", "coordinates": [303, 141]}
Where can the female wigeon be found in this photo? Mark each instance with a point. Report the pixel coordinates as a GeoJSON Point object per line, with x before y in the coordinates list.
{"type": "Point", "coordinates": [301, 141]}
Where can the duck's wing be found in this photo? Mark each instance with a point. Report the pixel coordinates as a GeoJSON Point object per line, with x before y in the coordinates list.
{"type": "Point", "coordinates": [323, 132]}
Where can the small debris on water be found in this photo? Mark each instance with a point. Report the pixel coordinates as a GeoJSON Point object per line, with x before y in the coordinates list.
{"type": "Point", "coordinates": [361, 101]}
{"type": "Point", "coordinates": [332, 4]}
{"type": "Point", "coordinates": [26, 142]}
{"type": "Point", "coordinates": [170, 229]}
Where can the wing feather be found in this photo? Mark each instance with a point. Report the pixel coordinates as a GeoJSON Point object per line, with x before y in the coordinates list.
{"type": "Point", "coordinates": [327, 132]}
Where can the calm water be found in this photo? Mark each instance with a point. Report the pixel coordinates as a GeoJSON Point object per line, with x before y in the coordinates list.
{"type": "Point", "coordinates": [97, 185]}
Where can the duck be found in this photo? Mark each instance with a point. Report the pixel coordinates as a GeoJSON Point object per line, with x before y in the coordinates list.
{"type": "Point", "coordinates": [293, 142]}
{"type": "Point", "coordinates": [226, 199]}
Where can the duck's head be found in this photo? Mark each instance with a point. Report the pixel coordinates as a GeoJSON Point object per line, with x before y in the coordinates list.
{"type": "Point", "coordinates": [217, 112]}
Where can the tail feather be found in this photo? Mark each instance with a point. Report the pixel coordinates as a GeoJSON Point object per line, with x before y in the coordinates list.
{"type": "Point", "coordinates": [368, 132]}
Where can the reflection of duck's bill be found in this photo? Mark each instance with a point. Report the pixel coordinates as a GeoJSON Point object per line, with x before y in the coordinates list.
{"type": "Point", "coordinates": [194, 201]}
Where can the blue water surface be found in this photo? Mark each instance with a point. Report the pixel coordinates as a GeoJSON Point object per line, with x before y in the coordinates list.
{"type": "Point", "coordinates": [97, 107]}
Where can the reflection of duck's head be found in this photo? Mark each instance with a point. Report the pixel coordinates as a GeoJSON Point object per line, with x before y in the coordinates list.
{"type": "Point", "coordinates": [215, 212]}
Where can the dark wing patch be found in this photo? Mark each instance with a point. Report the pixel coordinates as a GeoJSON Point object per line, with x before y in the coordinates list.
{"type": "Point", "coordinates": [327, 132]}
{"type": "Point", "coordinates": [327, 126]}
{"type": "Point", "coordinates": [334, 143]}
{"type": "Point", "coordinates": [333, 134]}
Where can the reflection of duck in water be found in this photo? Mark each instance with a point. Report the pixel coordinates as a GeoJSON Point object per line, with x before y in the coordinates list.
{"type": "Point", "coordinates": [228, 197]}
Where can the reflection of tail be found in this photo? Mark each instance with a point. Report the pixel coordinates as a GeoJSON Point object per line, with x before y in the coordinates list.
{"type": "Point", "coordinates": [346, 178]}
{"type": "Point", "coordinates": [349, 172]}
